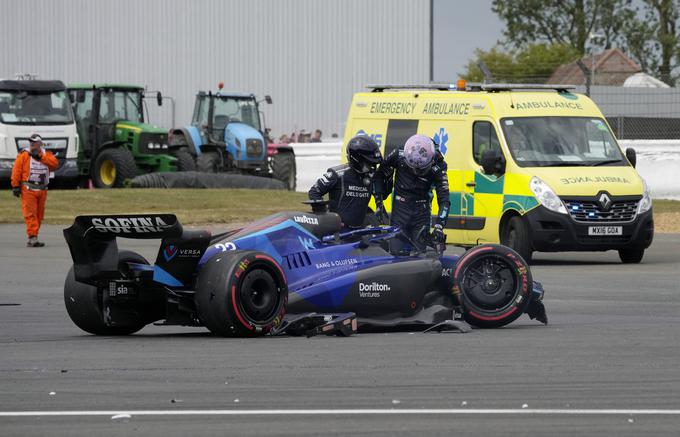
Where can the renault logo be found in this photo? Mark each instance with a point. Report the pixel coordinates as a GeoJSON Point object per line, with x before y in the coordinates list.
{"type": "Point", "coordinates": [605, 201]}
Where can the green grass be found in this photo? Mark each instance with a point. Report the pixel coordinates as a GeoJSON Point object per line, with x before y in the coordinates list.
{"type": "Point", "coordinates": [663, 206]}
{"type": "Point", "coordinates": [192, 206]}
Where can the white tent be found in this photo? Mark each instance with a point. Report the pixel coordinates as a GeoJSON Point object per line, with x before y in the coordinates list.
{"type": "Point", "coordinates": [644, 80]}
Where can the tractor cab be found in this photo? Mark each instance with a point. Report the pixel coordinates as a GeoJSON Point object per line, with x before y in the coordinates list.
{"type": "Point", "coordinates": [116, 142]}
{"type": "Point", "coordinates": [231, 134]}
{"type": "Point", "coordinates": [227, 134]}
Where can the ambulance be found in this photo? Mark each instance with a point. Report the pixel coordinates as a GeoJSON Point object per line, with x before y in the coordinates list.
{"type": "Point", "coordinates": [534, 167]}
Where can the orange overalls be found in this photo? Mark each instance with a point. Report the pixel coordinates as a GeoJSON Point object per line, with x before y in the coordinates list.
{"type": "Point", "coordinates": [33, 176]}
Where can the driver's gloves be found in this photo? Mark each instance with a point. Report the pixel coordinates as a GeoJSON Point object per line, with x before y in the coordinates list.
{"type": "Point", "coordinates": [381, 214]}
{"type": "Point", "coordinates": [438, 234]}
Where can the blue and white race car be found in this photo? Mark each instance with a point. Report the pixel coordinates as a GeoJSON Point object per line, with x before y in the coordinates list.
{"type": "Point", "coordinates": [291, 272]}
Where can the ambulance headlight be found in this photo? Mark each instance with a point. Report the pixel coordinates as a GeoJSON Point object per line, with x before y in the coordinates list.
{"type": "Point", "coordinates": [646, 201]}
{"type": "Point", "coordinates": [546, 196]}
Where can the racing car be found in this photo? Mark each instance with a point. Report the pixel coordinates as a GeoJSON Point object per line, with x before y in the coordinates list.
{"type": "Point", "coordinates": [288, 273]}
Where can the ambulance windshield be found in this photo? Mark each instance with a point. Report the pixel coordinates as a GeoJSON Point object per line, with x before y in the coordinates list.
{"type": "Point", "coordinates": [561, 142]}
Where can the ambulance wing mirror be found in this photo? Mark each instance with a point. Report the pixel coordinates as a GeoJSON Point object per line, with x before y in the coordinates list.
{"type": "Point", "coordinates": [631, 156]}
{"type": "Point", "coordinates": [492, 162]}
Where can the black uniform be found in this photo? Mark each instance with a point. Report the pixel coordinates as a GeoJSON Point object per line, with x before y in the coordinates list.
{"type": "Point", "coordinates": [412, 197]}
{"type": "Point", "coordinates": [348, 193]}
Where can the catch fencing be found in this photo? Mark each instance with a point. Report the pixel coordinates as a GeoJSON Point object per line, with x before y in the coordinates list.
{"type": "Point", "coordinates": [639, 113]}
{"type": "Point", "coordinates": [658, 163]}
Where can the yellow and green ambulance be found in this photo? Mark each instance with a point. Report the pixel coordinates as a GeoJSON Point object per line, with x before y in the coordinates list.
{"type": "Point", "coordinates": [533, 167]}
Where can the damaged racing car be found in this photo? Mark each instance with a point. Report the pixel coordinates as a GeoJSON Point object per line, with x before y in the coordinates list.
{"type": "Point", "coordinates": [288, 273]}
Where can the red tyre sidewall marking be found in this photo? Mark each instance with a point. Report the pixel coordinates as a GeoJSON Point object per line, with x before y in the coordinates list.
{"type": "Point", "coordinates": [521, 271]}
{"type": "Point", "coordinates": [279, 318]}
{"type": "Point", "coordinates": [466, 256]}
{"type": "Point", "coordinates": [283, 277]}
{"type": "Point", "coordinates": [245, 263]}
{"type": "Point", "coordinates": [502, 316]}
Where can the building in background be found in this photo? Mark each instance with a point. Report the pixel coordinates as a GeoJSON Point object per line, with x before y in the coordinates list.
{"type": "Point", "coordinates": [612, 68]}
{"type": "Point", "coordinates": [311, 56]}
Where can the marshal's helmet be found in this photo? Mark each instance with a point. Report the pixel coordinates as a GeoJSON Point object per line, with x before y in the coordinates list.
{"type": "Point", "coordinates": [419, 153]}
{"type": "Point", "coordinates": [363, 154]}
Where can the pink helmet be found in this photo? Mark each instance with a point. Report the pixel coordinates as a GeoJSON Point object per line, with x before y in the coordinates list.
{"type": "Point", "coordinates": [419, 153]}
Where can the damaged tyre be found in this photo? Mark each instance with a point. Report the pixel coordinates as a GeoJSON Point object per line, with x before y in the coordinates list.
{"type": "Point", "coordinates": [495, 285]}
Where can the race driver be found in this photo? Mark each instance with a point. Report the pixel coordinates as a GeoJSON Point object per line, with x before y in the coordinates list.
{"type": "Point", "coordinates": [349, 186]}
{"type": "Point", "coordinates": [30, 176]}
{"type": "Point", "coordinates": [419, 168]}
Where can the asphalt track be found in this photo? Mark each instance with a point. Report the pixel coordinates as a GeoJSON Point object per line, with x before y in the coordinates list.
{"type": "Point", "coordinates": [608, 359]}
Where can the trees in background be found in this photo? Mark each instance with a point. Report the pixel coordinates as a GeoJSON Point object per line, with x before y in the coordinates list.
{"type": "Point", "coordinates": [541, 34]}
{"type": "Point", "coordinates": [533, 63]}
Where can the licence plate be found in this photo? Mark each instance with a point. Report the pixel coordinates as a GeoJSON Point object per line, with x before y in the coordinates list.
{"type": "Point", "coordinates": [605, 230]}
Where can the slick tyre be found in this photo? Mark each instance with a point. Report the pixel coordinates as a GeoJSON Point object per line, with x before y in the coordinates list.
{"type": "Point", "coordinates": [516, 236]}
{"type": "Point", "coordinates": [85, 306]}
{"type": "Point", "coordinates": [185, 162]}
{"type": "Point", "coordinates": [283, 169]}
{"type": "Point", "coordinates": [241, 294]}
{"type": "Point", "coordinates": [208, 162]}
{"type": "Point", "coordinates": [495, 285]}
{"type": "Point", "coordinates": [113, 167]}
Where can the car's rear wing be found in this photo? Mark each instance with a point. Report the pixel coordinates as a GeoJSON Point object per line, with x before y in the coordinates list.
{"type": "Point", "coordinates": [92, 242]}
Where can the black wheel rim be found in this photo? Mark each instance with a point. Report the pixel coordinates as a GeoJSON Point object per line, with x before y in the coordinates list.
{"type": "Point", "coordinates": [259, 296]}
{"type": "Point", "coordinates": [490, 283]}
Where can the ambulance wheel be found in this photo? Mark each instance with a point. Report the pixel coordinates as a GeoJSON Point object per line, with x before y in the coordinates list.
{"type": "Point", "coordinates": [516, 236]}
{"type": "Point", "coordinates": [185, 162]}
{"type": "Point", "coordinates": [241, 294]}
{"type": "Point", "coordinates": [631, 256]}
{"type": "Point", "coordinates": [84, 303]}
{"type": "Point", "coordinates": [208, 162]}
{"type": "Point", "coordinates": [113, 167]}
{"type": "Point", "coordinates": [494, 284]}
{"type": "Point", "coordinates": [283, 169]}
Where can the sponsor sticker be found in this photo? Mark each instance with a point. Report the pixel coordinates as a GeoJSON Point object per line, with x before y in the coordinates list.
{"type": "Point", "coordinates": [372, 290]}
{"type": "Point", "coordinates": [129, 225]}
{"type": "Point", "coordinates": [306, 219]}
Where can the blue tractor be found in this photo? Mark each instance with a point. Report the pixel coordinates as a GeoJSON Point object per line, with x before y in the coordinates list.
{"type": "Point", "coordinates": [227, 134]}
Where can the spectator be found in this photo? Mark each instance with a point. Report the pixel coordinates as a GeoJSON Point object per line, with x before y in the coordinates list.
{"type": "Point", "coordinates": [316, 138]}
{"type": "Point", "coordinates": [284, 139]}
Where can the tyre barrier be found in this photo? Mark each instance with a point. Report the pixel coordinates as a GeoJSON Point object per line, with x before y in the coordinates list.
{"type": "Point", "coordinates": [195, 179]}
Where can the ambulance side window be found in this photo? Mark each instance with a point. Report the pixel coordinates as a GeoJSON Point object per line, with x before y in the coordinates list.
{"type": "Point", "coordinates": [484, 138]}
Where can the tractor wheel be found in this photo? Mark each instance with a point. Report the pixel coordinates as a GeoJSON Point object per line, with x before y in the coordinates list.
{"type": "Point", "coordinates": [113, 167]}
{"type": "Point", "coordinates": [84, 303]}
{"type": "Point", "coordinates": [283, 168]}
{"type": "Point", "coordinates": [208, 162]}
{"type": "Point", "coordinates": [185, 162]}
{"type": "Point", "coordinates": [495, 285]}
{"type": "Point", "coordinates": [241, 294]}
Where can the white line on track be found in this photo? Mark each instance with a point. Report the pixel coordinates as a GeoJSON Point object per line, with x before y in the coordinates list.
{"type": "Point", "coordinates": [330, 412]}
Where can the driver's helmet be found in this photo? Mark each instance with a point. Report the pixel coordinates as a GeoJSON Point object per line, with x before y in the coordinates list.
{"type": "Point", "coordinates": [419, 153]}
{"type": "Point", "coordinates": [363, 154]}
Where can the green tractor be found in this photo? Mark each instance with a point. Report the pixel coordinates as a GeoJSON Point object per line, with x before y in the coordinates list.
{"type": "Point", "coordinates": [115, 142]}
